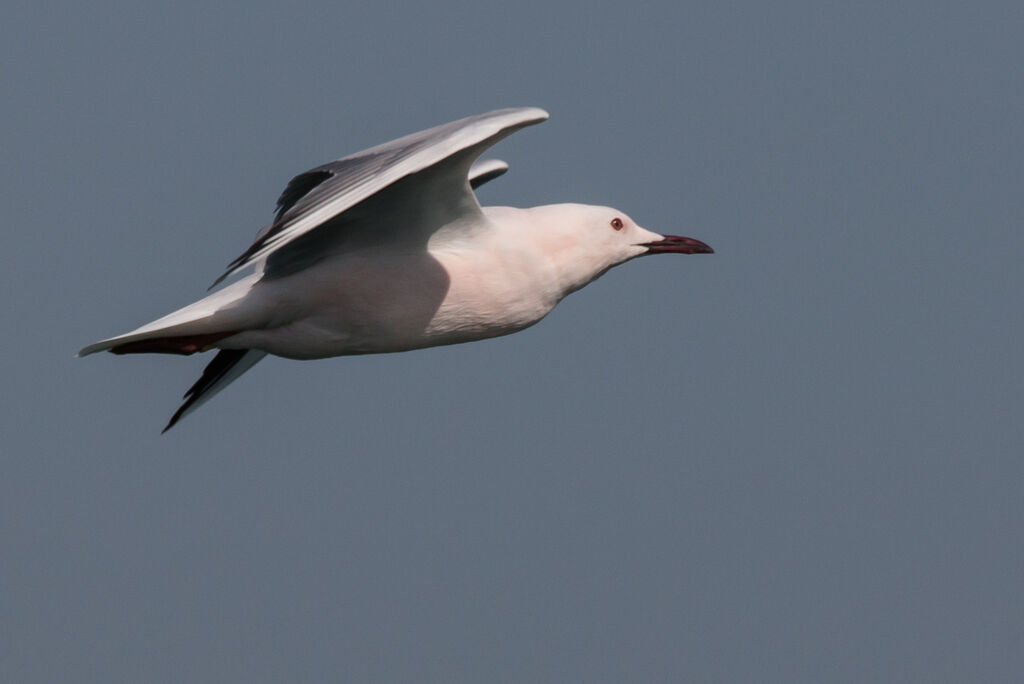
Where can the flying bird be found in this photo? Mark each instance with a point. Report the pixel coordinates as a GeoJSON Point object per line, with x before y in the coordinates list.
{"type": "Point", "coordinates": [388, 250]}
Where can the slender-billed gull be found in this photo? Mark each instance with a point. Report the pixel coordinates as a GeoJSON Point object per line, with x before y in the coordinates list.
{"type": "Point", "coordinates": [388, 250]}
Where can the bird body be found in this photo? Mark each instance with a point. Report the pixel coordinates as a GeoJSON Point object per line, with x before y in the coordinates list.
{"type": "Point", "coordinates": [411, 261]}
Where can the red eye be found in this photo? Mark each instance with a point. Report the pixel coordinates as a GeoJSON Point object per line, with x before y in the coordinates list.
{"type": "Point", "coordinates": [617, 223]}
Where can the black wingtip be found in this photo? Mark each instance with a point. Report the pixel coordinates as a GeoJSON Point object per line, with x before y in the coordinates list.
{"type": "Point", "coordinates": [242, 259]}
{"type": "Point", "coordinates": [476, 181]}
{"type": "Point", "coordinates": [231, 268]}
{"type": "Point", "coordinates": [218, 281]}
{"type": "Point", "coordinates": [297, 188]}
{"type": "Point", "coordinates": [176, 417]}
{"type": "Point", "coordinates": [214, 371]}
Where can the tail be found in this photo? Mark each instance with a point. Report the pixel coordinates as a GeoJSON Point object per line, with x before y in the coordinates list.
{"type": "Point", "coordinates": [226, 367]}
{"type": "Point", "coordinates": [193, 328]}
{"type": "Point", "coordinates": [196, 328]}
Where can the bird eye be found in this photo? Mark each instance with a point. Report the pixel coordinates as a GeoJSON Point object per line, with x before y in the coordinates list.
{"type": "Point", "coordinates": [617, 223]}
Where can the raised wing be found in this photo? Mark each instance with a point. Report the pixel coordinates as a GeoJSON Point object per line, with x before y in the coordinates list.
{"type": "Point", "coordinates": [482, 171]}
{"type": "Point", "coordinates": [321, 194]}
{"type": "Point", "coordinates": [485, 170]}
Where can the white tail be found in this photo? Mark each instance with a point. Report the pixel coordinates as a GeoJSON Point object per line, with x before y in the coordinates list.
{"type": "Point", "coordinates": [205, 320]}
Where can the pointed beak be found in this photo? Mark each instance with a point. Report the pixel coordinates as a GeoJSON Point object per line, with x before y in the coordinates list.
{"type": "Point", "coordinates": [674, 244]}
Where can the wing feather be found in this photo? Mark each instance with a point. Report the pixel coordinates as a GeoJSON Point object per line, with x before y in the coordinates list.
{"type": "Point", "coordinates": [319, 195]}
{"type": "Point", "coordinates": [297, 188]}
{"type": "Point", "coordinates": [486, 170]}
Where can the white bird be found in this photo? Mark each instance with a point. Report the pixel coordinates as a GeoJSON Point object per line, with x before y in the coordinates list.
{"type": "Point", "coordinates": [388, 250]}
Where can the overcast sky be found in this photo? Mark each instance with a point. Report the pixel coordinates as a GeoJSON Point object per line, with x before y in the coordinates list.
{"type": "Point", "coordinates": [796, 460]}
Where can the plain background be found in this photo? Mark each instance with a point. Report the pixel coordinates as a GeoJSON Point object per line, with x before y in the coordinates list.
{"type": "Point", "coordinates": [797, 460]}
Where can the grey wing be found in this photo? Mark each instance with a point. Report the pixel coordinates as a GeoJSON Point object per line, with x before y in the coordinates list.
{"type": "Point", "coordinates": [482, 171]}
{"type": "Point", "coordinates": [319, 195]}
{"type": "Point", "coordinates": [485, 170]}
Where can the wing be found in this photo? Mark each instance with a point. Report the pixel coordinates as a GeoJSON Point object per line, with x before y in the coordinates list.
{"type": "Point", "coordinates": [319, 195]}
{"type": "Point", "coordinates": [485, 170]}
{"type": "Point", "coordinates": [482, 171]}
{"type": "Point", "coordinates": [225, 368]}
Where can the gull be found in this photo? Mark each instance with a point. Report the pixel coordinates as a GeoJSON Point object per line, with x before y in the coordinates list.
{"type": "Point", "coordinates": [388, 250]}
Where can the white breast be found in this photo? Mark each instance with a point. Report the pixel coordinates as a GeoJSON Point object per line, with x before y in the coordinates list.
{"type": "Point", "coordinates": [386, 301]}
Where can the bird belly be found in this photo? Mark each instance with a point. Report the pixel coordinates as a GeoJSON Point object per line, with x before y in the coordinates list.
{"type": "Point", "coordinates": [347, 331]}
{"type": "Point", "coordinates": [370, 305]}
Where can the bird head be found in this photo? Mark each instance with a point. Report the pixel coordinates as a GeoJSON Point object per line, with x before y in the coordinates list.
{"type": "Point", "coordinates": [585, 241]}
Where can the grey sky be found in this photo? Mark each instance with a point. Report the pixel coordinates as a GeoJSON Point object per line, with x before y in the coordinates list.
{"type": "Point", "coordinates": [798, 460]}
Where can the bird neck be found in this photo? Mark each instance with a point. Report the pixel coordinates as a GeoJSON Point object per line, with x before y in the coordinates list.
{"type": "Point", "coordinates": [555, 232]}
